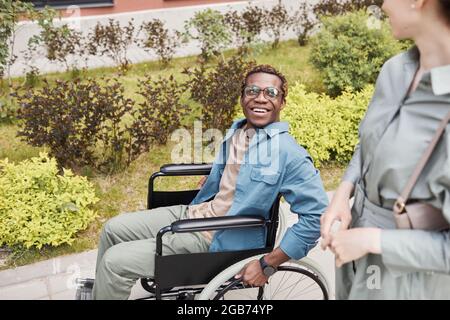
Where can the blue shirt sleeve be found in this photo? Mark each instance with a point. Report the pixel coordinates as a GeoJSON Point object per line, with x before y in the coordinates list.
{"type": "Point", "coordinates": [303, 189]}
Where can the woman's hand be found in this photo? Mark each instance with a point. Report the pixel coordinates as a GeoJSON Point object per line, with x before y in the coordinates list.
{"type": "Point", "coordinates": [338, 210]}
{"type": "Point", "coordinates": [348, 245]}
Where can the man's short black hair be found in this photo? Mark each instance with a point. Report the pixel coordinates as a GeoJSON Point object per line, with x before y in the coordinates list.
{"type": "Point", "coordinates": [265, 68]}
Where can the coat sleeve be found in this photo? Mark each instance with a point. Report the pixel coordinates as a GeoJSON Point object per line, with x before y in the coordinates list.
{"type": "Point", "coordinates": [302, 188]}
{"type": "Point", "coordinates": [406, 251]}
{"type": "Point", "coordinates": [377, 109]}
{"type": "Point", "coordinates": [353, 171]}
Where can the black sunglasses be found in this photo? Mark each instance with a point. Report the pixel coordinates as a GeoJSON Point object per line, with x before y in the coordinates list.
{"type": "Point", "coordinates": [270, 93]}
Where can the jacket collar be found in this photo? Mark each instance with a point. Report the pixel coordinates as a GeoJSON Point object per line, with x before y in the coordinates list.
{"type": "Point", "coordinates": [271, 129]}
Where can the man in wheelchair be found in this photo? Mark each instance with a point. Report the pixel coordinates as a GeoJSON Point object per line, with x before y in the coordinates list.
{"type": "Point", "coordinates": [258, 160]}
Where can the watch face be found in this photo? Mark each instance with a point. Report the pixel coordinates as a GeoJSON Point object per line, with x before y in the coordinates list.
{"type": "Point", "coordinates": [268, 271]}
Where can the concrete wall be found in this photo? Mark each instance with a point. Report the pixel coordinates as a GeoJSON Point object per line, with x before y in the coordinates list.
{"type": "Point", "coordinates": [173, 17]}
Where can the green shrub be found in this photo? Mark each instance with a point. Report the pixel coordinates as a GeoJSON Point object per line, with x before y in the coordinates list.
{"type": "Point", "coordinates": [40, 207]}
{"type": "Point", "coordinates": [337, 7]}
{"type": "Point", "coordinates": [326, 127]}
{"type": "Point", "coordinates": [349, 54]}
{"type": "Point", "coordinates": [8, 108]}
{"type": "Point", "coordinates": [306, 18]}
{"type": "Point", "coordinates": [209, 29]}
{"type": "Point", "coordinates": [10, 13]}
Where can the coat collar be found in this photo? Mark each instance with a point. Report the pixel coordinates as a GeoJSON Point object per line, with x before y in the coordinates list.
{"type": "Point", "coordinates": [440, 80]}
{"type": "Point", "coordinates": [440, 76]}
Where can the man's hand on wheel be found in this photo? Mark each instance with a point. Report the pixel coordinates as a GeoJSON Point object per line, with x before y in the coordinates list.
{"type": "Point", "coordinates": [252, 274]}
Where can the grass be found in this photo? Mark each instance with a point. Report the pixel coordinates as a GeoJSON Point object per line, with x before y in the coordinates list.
{"type": "Point", "coordinates": [126, 191]}
{"type": "Point", "coordinates": [331, 175]}
{"type": "Point", "coordinates": [12, 148]}
{"type": "Point", "coordinates": [289, 58]}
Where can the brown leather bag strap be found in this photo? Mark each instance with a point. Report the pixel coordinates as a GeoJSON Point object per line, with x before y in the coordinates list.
{"type": "Point", "coordinates": [399, 206]}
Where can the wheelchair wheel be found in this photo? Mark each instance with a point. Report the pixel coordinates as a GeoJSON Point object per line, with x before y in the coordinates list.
{"type": "Point", "coordinates": [149, 285]}
{"type": "Point", "coordinates": [282, 226]}
{"type": "Point", "coordinates": [295, 280]}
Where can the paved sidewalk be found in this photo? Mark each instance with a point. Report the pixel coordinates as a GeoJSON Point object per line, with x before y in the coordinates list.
{"type": "Point", "coordinates": [54, 279]}
{"type": "Point", "coordinates": [51, 279]}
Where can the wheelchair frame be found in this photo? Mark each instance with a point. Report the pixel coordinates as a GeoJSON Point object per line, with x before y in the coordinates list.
{"type": "Point", "coordinates": [167, 273]}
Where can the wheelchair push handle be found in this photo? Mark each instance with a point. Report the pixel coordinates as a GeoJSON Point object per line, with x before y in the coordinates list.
{"type": "Point", "coordinates": [175, 170]}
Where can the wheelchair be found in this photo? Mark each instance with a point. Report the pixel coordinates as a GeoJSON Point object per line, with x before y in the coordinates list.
{"type": "Point", "coordinates": [211, 275]}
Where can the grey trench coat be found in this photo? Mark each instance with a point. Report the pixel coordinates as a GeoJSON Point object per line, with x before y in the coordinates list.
{"type": "Point", "coordinates": [396, 129]}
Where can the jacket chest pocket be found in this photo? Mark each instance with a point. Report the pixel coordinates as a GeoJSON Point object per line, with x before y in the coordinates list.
{"type": "Point", "coordinates": [263, 187]}
{"type": "Point", "coordinates": [261, 175]}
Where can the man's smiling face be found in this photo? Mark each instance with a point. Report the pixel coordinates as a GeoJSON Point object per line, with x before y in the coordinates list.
{"type": "Point", "coordinates": [262, 108]}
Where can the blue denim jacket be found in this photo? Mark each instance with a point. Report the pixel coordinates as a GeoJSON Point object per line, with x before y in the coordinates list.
{"type": "Point", "coordinates": [274, 163]}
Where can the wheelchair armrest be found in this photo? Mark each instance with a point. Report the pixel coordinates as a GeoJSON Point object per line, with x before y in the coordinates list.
{"type": "Point", "coordinates": [205, 224]}
{"type": "Point", "coordinates": [186, 169]}
{"type": "Point", "coordinates": [217, 223]}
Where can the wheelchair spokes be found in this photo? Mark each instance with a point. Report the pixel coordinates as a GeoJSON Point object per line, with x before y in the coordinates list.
{"type": "Point", "coordinates": [288, 283]}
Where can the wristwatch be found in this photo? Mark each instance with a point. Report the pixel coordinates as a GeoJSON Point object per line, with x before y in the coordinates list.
{"type": "Point", "coordinates": [267, 269]}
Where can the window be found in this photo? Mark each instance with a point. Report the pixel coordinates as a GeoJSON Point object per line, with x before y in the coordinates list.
{"type": "Point", "coordinates": [66, 3]}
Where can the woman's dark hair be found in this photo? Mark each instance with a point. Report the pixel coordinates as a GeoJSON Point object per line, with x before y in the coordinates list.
{"type": "Point", "coordinates": [265, 68]}
{"type": "Point", "coordinates": [445, 4]}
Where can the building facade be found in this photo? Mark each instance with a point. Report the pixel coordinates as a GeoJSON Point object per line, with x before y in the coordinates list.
{"type": "Point", "coordinates": [106, 7]}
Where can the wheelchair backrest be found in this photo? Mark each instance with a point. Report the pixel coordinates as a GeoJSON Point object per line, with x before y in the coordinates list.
{"type": "Point", "coordinates": [157, 199]}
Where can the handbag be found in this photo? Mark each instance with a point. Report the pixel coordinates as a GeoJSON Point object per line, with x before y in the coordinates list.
{"type": "Point", "coordinates": [420, 215]}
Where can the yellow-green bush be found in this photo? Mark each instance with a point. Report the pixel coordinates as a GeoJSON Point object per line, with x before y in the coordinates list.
{"type": "Point", "coordinates": [326, 127]}
{"type": "Point", "coordinates": [40, 207]}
